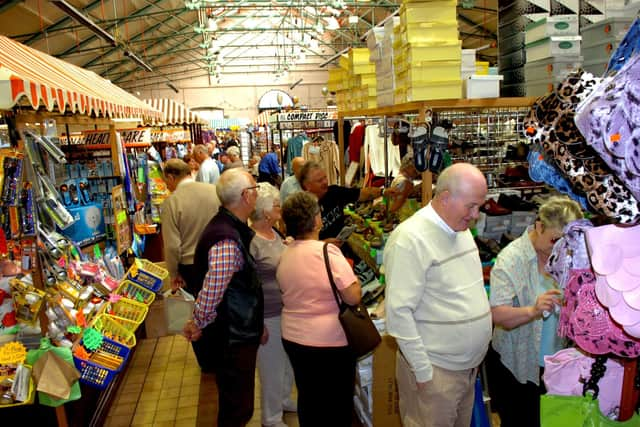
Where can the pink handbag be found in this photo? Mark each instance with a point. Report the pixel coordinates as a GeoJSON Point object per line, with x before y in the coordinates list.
{"type": "Point", "coordinates": [566, 372]}
{"type": "Point", "coordinates": [615, 258]}
{"type": "Point", "coordinates": [588, 323]}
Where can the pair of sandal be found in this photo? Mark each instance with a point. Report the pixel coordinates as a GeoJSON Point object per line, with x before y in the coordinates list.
{"type": "Point", "coordinates": [429, 150]}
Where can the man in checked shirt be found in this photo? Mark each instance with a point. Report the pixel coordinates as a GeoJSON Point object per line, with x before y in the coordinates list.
{"type": "Point", "coordinates": [227, 323]}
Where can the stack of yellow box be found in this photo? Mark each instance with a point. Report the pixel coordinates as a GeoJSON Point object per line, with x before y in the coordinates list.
{"type": "Point", "coordinates": [354, 81]}
{"type": "Point", "coordinates": [427, 52]}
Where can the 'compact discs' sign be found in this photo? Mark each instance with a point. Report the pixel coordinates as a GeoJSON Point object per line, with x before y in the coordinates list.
{"type": "Point", "coordinates": [301, 116]}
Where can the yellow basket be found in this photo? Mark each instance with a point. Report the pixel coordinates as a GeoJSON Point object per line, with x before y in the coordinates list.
{"type": "Point", "coordinates": [132, 291]}
{"type": "Point", "coordinates": [147, 274]}
{"type": "Point", "coordinates": [128, 309]}
{"type": "Point", "coordinates": [121, 331]}
{"type": "Point", "coordinates": [31, 395]}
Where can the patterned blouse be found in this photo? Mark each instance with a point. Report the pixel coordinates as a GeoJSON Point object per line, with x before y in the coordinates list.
{"type": "Point", "coordinates": [516, 281]}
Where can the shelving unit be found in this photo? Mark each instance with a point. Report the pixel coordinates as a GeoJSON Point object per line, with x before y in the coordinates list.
{"type": "Point", "coordinates": [447, 107]}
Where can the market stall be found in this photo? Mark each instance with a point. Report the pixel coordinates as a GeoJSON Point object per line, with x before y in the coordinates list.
{"type": "Point", "coordinates": [89, 314]}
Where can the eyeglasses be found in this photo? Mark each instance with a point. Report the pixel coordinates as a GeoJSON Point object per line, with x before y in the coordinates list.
{"type": "Point", "coordinates": [255, 187]}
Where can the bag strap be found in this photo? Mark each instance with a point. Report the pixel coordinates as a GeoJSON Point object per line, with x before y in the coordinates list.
{"type": "Point", "coordinates": [598, 368]}
{"type": "Point", "coordinates": [325, 252]}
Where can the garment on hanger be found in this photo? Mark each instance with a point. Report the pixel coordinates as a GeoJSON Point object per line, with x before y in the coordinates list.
{"type": "Point", "coordinates": [356, 140]}
{"type": "Point", "coordinates": [294, 148]}
{"type": "Point", "coordinates": [324, 153]}
{"type": "Point", "coordinates": [346, 132]}
{"type": "Point", "coordinates": [374, 150]}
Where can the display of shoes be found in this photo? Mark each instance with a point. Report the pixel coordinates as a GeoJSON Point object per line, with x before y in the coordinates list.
{"type": "Point", "coordinates": [491, 207]}
{"type": "Point", "coordinates": [515, 203]}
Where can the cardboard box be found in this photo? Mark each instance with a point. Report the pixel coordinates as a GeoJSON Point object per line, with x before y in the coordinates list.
{"type": "Point", "coordinates": [385, 390]}
{"type": "Point", "coordinates": [88, 226]}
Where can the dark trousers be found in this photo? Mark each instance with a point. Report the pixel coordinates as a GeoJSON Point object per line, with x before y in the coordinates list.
{"type": "Point", "coordinates": [517, 404]}
{"type": "Point", "coordinates": [235, 375]}
{"type": "Point", "coordinates": [325, 378]}
{"type": "Point", "coordinates": [188, 273]}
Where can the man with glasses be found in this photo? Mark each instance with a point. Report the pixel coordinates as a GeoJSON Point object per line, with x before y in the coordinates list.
{"type": "Point", "coordinates": [227, 322]}
{"type": "Point", "coordinates": [332, 198]}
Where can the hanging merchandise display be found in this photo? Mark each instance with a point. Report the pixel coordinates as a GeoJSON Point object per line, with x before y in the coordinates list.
{"type": "Point", "coordinates": [550, 124]}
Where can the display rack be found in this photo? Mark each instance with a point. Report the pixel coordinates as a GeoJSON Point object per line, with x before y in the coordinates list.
{"type": "Point", "coordinates": [284, 125]}
{"type": "Point", "coordinates": [420, 110]}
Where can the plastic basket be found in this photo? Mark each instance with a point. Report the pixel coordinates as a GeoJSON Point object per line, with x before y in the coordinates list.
{"type": "Point", "coordinates": [117, 329]}
{"type": "Point", "coordinates": [130, 290]}
{"type": "Point", "coordinates": [147, 274]}
{"type": "Point", "coordinates": [31, 395]}
{"type": "Point", "coordinates": [96, 375]}
{"type": "Point", "coordinates": [128, 309]}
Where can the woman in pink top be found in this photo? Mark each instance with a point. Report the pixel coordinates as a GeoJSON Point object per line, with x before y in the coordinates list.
{"type": "Point", "coordinates": [323, 365]}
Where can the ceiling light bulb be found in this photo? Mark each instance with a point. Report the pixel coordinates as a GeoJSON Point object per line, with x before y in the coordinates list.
{"type": "Point", "coordinates": [213, 24]}
{"type": "Point", "coordinates": [353, 19]}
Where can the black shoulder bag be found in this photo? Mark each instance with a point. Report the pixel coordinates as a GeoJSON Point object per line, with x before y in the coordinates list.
{"type": "Point", "coordinates": [361, 333]}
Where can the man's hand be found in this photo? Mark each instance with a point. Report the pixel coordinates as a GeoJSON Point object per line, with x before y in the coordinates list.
{"type": "Point", "coordinates": [422, 386]}
{"type": "Point", "coordinates": [191, 331]}
{"type": "Point", "coordinates": [177, 282]}
{"type": "Point", "coordinates": [265, 336]}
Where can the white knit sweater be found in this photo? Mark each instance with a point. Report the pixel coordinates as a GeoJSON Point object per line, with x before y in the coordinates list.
{"type": "Point", "coordinates": [436, 305]}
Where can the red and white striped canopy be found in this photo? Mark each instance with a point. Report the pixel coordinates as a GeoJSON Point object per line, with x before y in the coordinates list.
{"type": "Point", "coordinates": [52, 83]}
{"type": "Point", "coordinates": [173, 113]}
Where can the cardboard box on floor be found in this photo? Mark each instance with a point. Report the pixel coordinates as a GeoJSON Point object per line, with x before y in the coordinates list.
{"type": "Point", "coordinates": [385, 389]}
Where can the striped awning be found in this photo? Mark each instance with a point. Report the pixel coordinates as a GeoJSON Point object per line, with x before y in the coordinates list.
{"type": "Point", "coordinates": [228, 123]}
{"type": "Point", "coordinates": [43, 80]}
{"type": "Point", "coordinates": [173, 113]}
{"type": "Point", "coordinates": [262, 119]}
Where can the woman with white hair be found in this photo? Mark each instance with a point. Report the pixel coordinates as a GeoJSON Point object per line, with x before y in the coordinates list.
{"type": "Point", "coordinates": [274, 368]}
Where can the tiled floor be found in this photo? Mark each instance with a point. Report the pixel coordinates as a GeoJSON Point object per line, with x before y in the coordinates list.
{"type": "Point", "coordinates": [163, 386]}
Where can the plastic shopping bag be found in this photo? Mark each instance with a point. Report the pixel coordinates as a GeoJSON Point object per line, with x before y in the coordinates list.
{"type": "Point", "coordinates": [178, 308]}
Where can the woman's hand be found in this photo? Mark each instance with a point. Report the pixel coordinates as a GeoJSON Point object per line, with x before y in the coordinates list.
{"type": "Point", "coordinates": [546, 302]}
{"type": "Point", "coordinates": [265, 336]}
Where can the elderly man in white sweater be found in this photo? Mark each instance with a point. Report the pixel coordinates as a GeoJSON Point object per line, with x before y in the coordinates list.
{"type": "Point", "coordinates": [436, 305]}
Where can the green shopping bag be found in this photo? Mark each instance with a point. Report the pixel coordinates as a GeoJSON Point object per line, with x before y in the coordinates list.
{"type": "Point", "coordinates": [577, 411]}
{"type": "Point", "coordinates": [57, 373]}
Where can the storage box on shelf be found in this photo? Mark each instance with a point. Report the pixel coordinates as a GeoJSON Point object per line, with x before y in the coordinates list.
{"type": "Point", "coordinates": [429, 11]}
{"type": "Point", "coordinates": [610, 30]}
{"type": "Point", "coordinates": [558, 25]}
{"type": "Point", "coordinates": [553, 46]}
{"type": "Point", "coordinates": [548, 68]}
{"type": "Point", "coordinates": [601, 51]}
{"type": "Point", "coordinates": [478, 86]}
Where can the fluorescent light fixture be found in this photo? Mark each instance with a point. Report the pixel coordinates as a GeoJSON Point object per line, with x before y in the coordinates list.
{"type": "Point", "coordinates": [212, 24]}
{"type": "Point", "coordinates": [80, 18]}
{"type": "Point", "coordinates": [172, 87]}
{"type": "Point", "coordinates": [137, 60]}
{"type": "Point", "coordinates": [353, 19]}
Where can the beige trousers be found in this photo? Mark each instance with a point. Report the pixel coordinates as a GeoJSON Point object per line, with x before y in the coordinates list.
{"type": "Point", "coordinates": [446, 401]}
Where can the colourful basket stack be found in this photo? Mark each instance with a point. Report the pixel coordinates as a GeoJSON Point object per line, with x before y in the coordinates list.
{"type": "Point", "coordinates": [427, 52]}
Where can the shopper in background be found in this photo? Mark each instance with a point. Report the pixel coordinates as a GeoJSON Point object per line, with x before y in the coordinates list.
{"type": "Point", "coordinates": [208, 170]}
{"type": "Point", "coordinates": [332, 198]}
{"type": "Point", "coordinates": [523, 301]}
{"type": "Point", "coordinates": [234, 158]}
{"type": "Point", "coordinates": [253, 165]}
{"type": "Point", "coordinates": [269, 169]}
{"type": "Point", "coordinates": [436, 304]}
{"type": "Point", "coordinates": [402, 186]}
{"type": "Point", "coordinates": [292, 183]}
{"type": "Point", "coordinates": [227, 322]}
{"type": "Point", "coordinates": [323, 364]}
{"type": "Point", "coordinates": [193, 165]}
{"type": "Point", "coordinates": [184, 215]}
{"type": "Point", "coordinates": [274, 368]}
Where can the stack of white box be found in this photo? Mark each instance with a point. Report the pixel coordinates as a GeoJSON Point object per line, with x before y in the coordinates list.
{"type": "Point", "coordinates": [363, 394]}
{"type": "Point", "coordinates": [385, 76]}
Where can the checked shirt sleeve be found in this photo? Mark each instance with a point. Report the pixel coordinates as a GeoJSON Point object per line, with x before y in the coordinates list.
{"type": "Point", "coordinates": [225, 259]}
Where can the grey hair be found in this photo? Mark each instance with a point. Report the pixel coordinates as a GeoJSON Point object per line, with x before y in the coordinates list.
{"type": "Point", "coordinates": [306, 169]}
{"type": "Point", "coordinates": [200, 148]}
{"type": "Point", "coordinates": [558, 211]}
{"type": "Point", "coordinates": [267, 194]}
{"type": "Point", "coordinates": [231, 185]}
